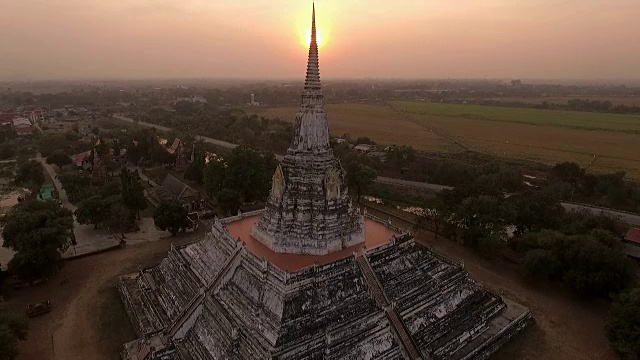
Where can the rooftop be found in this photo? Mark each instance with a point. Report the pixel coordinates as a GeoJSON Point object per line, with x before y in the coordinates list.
{"type": "Point", "coordinates": [376, 234]}
{"type": "Point", "coordinates": [633, 235]}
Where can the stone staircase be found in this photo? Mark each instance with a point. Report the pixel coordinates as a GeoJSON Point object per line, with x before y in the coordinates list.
{"type": "Point", "coordinates": [376, 289]}
{"type": "Point", "coordinates": [379, 296]}
{"type": "Point", "coordinates": [407, 342]}
{"type": "Point", "coordinates": [199, 298]}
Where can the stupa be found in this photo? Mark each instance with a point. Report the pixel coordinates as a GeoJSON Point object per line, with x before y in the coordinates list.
{"type": "Point", "coordinates": [311, 278]}
{"type": "Point", "coordinates": [309, 210]}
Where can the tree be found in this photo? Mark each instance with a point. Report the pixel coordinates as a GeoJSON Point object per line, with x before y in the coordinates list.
{"type": "Point", "coordinates": [11, 331]}
{"type": "Point", "coordinates": [400, 155]}
{"type": "Point", "coordinates": [170, 216]}
{"type": "Point", "coordinates": [229, 201]}
{"type": "Point", "coordinates": [622, 327]}
{"type": "Point", "coordinates": [244, 170]}
{"type": "Point", "coordinates": [119, 216]}
{"type": "Point", "coordinates": [360, 177]}
{"type": "Point", "coordinates": [533, 211]}
{"type": "Point", "coordinates": [591, 265]}
{"type": "Point", "coordinates": [93, 210]}
{"type": "Point", "coordinates": [132, 191]}
{"type": "Point", "coordinates": [58, 157]}
{"type": "Point", "coordinates": [37, 231]}
{"type": "Point", "coordinates": [195, 169]}
{"type": "Point", "coordinates": [7, 150]}
{"type": "Point", "coordinates": [31, 174]}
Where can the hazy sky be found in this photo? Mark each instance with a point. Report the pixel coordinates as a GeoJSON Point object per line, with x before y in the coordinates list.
{"type": "Point", "coordinates": [58, 39]}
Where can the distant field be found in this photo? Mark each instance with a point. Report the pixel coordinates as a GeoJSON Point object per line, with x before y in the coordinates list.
{"type": "Point", "coordinates": [378, 122]}
{"type": "Point", "coordinates": [615, 100]}
{"type": "Point", "coordinates": [544, 135]}
{"type": "Point", "coordinates": [547, 136]}
{"type": "Point", "coordinates": [557, 118]}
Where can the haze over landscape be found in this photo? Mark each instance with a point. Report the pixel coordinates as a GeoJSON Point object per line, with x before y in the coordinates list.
{"type": "Point", "coordinates": [543, 39]}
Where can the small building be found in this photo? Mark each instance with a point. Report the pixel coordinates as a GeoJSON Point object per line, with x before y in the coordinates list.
{"type": "Point", "coordinates": [35, 115]}
{"type": "Point", "coordinates": [22, 126]}
{"type": "Point", "coordinates": [46, 193]}
{"type": "Point", "coordinates": [380, 155]}
{"type": "Point", "coordinates": [172, 188]}
{"type": "Point", "coordinates": [632, 243]}
{"type": "Point", "coordinates": [6, 118]}
{"type": "Point", "coordinates": [364, 148]}
{"type": "Point", "coordinates": [82, 160]}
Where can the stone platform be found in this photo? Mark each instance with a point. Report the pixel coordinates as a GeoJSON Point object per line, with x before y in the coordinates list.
{"type": "Point", "coordinates": [376, 234]}
{"type": "Point", "coordinates": [230, 298]}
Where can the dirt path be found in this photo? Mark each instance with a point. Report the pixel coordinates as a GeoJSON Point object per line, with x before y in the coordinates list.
{"type": "Point", "coordinates": [88, 320]}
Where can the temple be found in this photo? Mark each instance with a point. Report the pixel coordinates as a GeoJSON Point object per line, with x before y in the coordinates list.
{"type": "Point", "coordinates": [309, 277]}
{"type": "Point", "coordinates": [309, 210]}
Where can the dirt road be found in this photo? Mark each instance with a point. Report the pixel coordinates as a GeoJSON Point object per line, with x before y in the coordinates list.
{"type": "Point", "coordinates": [88, 320]}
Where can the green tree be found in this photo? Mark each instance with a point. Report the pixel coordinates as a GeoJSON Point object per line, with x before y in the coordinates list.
{"type": "Point", "coordinates": [93, 210]}
{"type": "Point", "coordinates": [7, 150]}
{"type": "Point", "coordinates": [214, 176]}
{"type": "Point", "coordinates": [37, 231]}
{"type": "Point", "coordinates": [622, 326]}
{"type": "Point", "coordinates": [195, 169]}
{"type": "Point", "coordinates": [11, 331]}
{"type": "Point", "coordinates": [170, 216]}
{"type": "Point", "coordinates": [58, 157]}
{"type": "Point", "coordinates": [533, 211]}
{"type": "Point", "coordinates": [119, 216]}
{"type": "Point", "coordinates": [360, 177]}
{"type": "Point", "coordinates": [244, 170]}
{"type": "Point", "coordinates": [229, 201]}
{"type": "Point", "coordinates": [30, 174]}
{"type": "Point", "coordinates": [400, 155]}
{"type": "Point", "coordinates": [132, 191]}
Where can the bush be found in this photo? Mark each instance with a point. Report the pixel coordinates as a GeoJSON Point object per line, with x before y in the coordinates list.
{"type": "Point", "coordinates": [622, 327]}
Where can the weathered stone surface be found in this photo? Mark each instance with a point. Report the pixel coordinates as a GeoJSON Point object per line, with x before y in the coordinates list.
{"type": "Point", "coordinates": [442, 308]}
{"type": "Point", "coordinates": [309, 210]}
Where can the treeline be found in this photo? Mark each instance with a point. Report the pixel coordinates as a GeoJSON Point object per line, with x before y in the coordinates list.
{"type": "Point", "coordinates": [569, 181]}
{"type": "Point", "coordinates": [231, 125]}
{"type": "Point", "coordinates": [585, 105]}
{"type": "Point", "coordinates": [580, 249]}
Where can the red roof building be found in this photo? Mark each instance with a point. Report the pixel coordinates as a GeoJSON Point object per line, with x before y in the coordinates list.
{"type": "Point", "coordinates": [633, 235]}
{"type": "Point", "coordinates": [6, 119]}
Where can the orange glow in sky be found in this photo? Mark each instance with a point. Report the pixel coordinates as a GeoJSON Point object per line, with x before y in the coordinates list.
{"type": "Point", "coordinates": [93, 39]}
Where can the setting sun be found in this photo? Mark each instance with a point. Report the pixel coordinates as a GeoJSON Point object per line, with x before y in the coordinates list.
{"type": "Point", "coordinates": [307, 39]}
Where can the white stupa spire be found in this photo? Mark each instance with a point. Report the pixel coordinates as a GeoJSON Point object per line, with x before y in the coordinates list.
{"type": "Point", "coordinates": [312, 84]}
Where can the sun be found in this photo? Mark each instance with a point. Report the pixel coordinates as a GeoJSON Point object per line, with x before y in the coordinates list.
{"type": "Point", "coordinates": [306, 39]}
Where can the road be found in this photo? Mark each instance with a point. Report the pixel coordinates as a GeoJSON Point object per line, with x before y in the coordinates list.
{"type": "Point", "coordinates": [631, 219]}
{"type": "Point", "coordinates": [88, 239]}
{"type": "Point", "coordinates": [209, 140]}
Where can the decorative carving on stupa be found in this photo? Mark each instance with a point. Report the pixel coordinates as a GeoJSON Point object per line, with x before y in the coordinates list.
{"type": "Point", "coordinates": [309, 210]}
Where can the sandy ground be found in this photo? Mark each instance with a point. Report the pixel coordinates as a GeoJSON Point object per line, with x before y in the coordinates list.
{"type": "Point", "coordinates": [89, 322]}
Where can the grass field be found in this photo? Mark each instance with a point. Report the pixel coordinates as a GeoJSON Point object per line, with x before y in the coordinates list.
{"type": "Point", "coordinates": [556, 118]}
{"type": "Point", "coordinates": [615, 100]}
{"type": "Point", "coordinates": [547, 136]}
{"type": "Point", "coordinates": [378, 122]}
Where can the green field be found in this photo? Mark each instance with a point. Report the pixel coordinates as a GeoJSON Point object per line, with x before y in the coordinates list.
{"type": "Point", "coordinates": [558, 118]}
{"type": "Point", "coordinates": [548, 136]}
